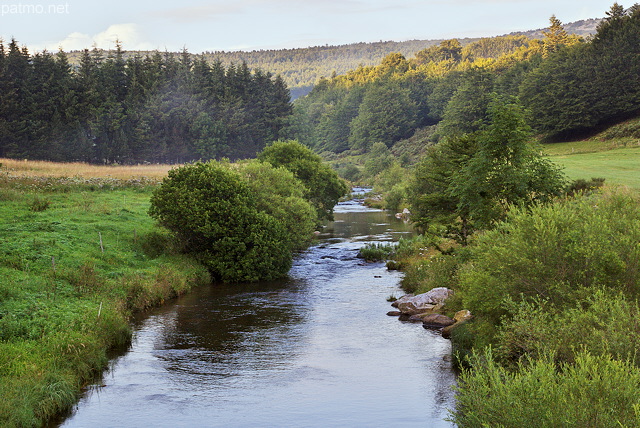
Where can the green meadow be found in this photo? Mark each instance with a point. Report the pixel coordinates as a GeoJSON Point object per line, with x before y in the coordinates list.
{"type": "Point", "coordinates": [78, 257]}
{"type": "Point", "coordinates": [613, 154]}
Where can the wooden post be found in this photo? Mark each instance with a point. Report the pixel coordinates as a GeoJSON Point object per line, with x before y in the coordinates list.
{"type": "Point", "coordinates": [101, 246]}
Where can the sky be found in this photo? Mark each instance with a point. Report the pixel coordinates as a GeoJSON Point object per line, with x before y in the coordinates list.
{"type": "Point", "coordinates": [201, 26]}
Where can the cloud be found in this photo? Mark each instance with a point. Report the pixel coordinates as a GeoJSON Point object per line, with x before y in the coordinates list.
{"type": "Point", "coordinates": [127, 34]}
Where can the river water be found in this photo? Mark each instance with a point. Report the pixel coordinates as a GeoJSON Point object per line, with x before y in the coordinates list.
{"type": "Point", "coordinates": [315, 350]}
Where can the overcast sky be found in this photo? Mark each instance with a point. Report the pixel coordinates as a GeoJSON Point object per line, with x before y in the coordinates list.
{"type": "Point", "coordinates": [214, 25]}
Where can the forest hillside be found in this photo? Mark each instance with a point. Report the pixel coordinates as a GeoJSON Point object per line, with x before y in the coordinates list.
{"type": "Point", "coordinates": [301, 68]}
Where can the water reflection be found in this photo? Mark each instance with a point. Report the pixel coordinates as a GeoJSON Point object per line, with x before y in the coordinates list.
{"type": "Point", "coordinates": [314, 350]}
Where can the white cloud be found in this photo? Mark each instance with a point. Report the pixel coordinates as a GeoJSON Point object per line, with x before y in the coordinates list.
{"type": "Point", "coordinates": [127, 34]}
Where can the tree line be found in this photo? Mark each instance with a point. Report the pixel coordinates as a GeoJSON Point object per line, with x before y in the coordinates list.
{"type": "Point", "coordinates": [157, 108]}
{"type": "Point", "coordinates": [567, 84]}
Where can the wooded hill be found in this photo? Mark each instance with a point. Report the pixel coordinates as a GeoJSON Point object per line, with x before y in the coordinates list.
{"type": "Point", "coordinates": [301, 68]}
{"type": "Point", "coordinates": [568, 84]}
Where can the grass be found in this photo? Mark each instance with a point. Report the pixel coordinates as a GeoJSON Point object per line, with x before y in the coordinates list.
{"type": "Point", "coordinates": [613, 154]}
{"type": "Point", "coordinates": [618, 166]}
{"type": "Point", "coordinates": [77, 257]}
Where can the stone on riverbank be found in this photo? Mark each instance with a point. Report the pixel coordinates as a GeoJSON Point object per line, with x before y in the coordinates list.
{"type": "Point", "coordinates": [436, 321]}
{"type": "Point", "coordinates": [423, 303]}
{"type": "Point", "coordinates": [402, 299]}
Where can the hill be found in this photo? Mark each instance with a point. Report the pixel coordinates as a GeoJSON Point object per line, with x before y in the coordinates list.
{"type": "Point", "coordinates": [301, 68]}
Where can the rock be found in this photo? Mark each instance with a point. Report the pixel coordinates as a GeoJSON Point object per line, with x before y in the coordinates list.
{"type": "Point", "coordinates": [462, 316]}
{"type": "Point", "coordinates": [436, 321]}
{"type": "Point", "coordinates": [401, 299]}
{"type": "Point", "coordinates": [394, 313]}
{"type": "Point", "coordinates": [416, 318]}
{"type": "Point", "coordinates": [424, 302]}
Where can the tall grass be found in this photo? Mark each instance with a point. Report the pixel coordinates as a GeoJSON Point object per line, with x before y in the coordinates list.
{"type": "Point", "coordinates": [79, 169]}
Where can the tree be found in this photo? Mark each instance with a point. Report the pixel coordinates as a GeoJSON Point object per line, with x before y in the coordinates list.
{"type": "Point", "coordinates": [323, 187]}
{"type": "Point", "coordinates": [469, 181]}
{"type": "Point", "coordinates": [448, 50]}
{"type": "Point", "coordinates": [387, 114]}
{"type": "Point", "coordinates": [434, 209]}
{"type": "Point", "coordinates": [555, 37]}
{"type": "Point", "coordinates": [505, 170]}
{"type": "Point", "coordinates": [466, 111]}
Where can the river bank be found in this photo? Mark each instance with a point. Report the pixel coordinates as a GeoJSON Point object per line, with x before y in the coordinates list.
{"type": "Point", "coordinates": [78, 257]}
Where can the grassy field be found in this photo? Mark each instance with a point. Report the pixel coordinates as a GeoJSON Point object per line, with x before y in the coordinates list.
{"type": "Point", "coordinates": [618, 166]}
{"type": "Point", "coordinates": [77, 257]}
{"type": "Point", "coordinates": [614, 154]}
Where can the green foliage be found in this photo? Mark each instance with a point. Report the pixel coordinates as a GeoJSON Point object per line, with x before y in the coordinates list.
{"type": "Point", "coordinates": [605, 323]}
{"type": "Point", "coordinates": [582, 86]}
{"type": "Point", "coordinates": [505, 170]}
{"type": "Point", "coordinates": [448, 50]}
{"type": "Point", "coordinates": [378, 159]}
{"type": "Point", "coordinates": [560, 253]}
{"type": "Point", "coordinates": [429, 190]}
{"type": "Point", "coordinates": [437, 270]}
{"type": "Point", "coordinates": [322, 185]}
{"type": "Point", "coordinates": [387, 114]}
{"type": "Point", "coordinates": [278, 193]}
{"type": "Point", "coordinates": [596, 391]}
{"type": "Point", "coordinates": [219, 220]}
{"type": "Point", "coordinates": [130, 109]}
{"type": "Point", "coordinates": [470, 181]}
{"type": "Point", "coordinates": [581, 185]}
{"type": "Point", "coordinates": [467, 109]}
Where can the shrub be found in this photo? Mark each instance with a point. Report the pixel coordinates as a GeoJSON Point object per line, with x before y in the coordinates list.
{"type": "Point", "coordinates": [213, 212]}
{"type": "Point", "coordinates": [278, 193]}
{"type": "Point", "coordinates": [605, 323]}
{"type": "Point", "coordinates": [323, 187]}
{"type": "Point", "coordinates": [596, 391]}
{"type": "Point", "coordinates": [561, 253]}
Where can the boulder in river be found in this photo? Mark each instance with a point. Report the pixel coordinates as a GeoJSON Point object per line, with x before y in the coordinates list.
{"type": "Point", "coordinates": [394, 313]}
{"type": "Point", "coordinates": [425, 302]}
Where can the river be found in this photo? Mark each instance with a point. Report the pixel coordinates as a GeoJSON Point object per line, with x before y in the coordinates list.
{"type": "Point", "coordinates": [315, 350]}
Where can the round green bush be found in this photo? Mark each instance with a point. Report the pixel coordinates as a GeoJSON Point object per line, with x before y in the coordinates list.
{"type": "Point", "coordinates": [215, 217]}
